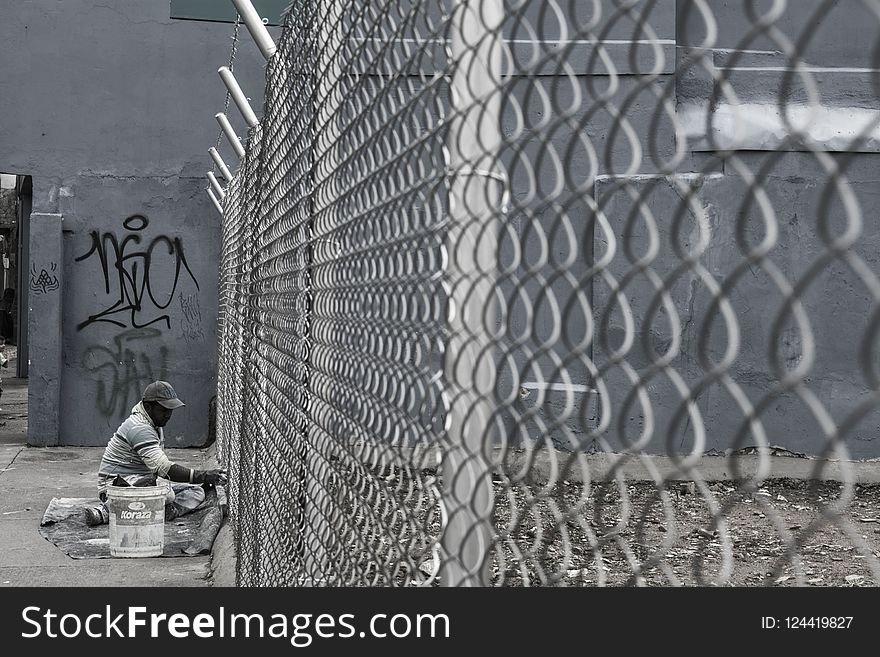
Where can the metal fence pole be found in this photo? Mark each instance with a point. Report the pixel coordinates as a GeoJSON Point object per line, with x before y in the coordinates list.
{"type": "Point", "coordinates": [319, 506]}
{"type": "Point", "coordinates": [234, 140]}
{"type": "Point", "coordinates": [471, 242]}
{"type": "Point", "coordinates": [221, 165]}
{"type": "Point", "coordinates": [238, 97]}
{"type": "Point", "coordinates": [216, 203]}
{"type": "Point", "coordinates": [216, 185]}
{"type": "Point", "coordinates": [255, 26]}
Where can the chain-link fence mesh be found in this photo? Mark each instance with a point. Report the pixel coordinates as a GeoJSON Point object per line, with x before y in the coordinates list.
{"type": "Point", "coordinates": [551, 292]}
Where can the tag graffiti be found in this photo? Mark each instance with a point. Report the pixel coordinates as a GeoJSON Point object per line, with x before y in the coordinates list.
{"type": "Point", "coordinates": [141, 280]}
{"type": "Point", "coordinates": [122, 369]}
{"type": "Point", "coordinates": [44, 281]}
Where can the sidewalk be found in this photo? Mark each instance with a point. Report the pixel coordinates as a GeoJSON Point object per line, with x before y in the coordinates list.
{"type": "Point", "coordinates": [30, 477]}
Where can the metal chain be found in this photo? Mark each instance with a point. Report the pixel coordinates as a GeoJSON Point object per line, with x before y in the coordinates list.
{"type": "Point", "coordinates": [230, 66]}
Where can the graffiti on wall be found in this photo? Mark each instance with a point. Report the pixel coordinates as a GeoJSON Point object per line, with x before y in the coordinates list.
{"type": "Point", "coordinates": [192, 318]}
{"type": "Point", "coordinates": [122, 371]}
{"type": "Point", "coordinates": [141, 278]}
{"type": "Point", "coordinates": [44, 281]}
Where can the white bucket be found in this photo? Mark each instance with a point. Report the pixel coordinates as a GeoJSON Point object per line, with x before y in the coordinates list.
{"type": "Point", "coordinates": [137, 520]}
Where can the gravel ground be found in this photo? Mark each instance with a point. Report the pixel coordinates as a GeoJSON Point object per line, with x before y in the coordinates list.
{"type": "Point", "coordinates": [786, 533]}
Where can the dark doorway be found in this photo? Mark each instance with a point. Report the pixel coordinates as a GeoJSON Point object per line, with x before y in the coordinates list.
{"type": "Point", "coordinates": [15, 212]}
{"type": "Point", "coordinates": [25, 187]}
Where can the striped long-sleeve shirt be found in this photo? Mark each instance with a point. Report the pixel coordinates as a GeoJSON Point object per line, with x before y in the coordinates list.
{"type": "Point", "coordinates": [135, 448]}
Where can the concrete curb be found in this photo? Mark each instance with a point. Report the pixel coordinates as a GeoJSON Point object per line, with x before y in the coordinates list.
{"type": "Point", "coordinates": [222, 566]}
{"type": "Point", "coordinates": [221, 569]}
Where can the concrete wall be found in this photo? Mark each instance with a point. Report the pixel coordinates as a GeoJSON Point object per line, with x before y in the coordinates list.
{"type": "Point", "coordinates": [44, 330]}
{"type": "Point", "coordinates": [800, 198]}
{"type": "Point", "coordinates": [110, 106]}
{"type": "Point", "coordinates": [796, 185]}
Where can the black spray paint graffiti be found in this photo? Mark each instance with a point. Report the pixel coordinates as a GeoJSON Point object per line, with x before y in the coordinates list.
{"type": "Point", "coordinates": [192, 318]}
{"type": "Point", "coordinates": [135, 277]}
{"type": "Point", "coordinates": [125, 369]}
{"type": "Point", "coordinates": [44, 281]}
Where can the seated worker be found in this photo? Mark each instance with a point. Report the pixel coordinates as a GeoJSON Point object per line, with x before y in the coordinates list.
{"type": "Point", "coordinates": [134, 456]}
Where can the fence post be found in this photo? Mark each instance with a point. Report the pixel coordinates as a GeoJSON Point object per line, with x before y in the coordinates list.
{"type": "Point", "coordinates": [255, 26]}
{"type": "Point", "coordinates": [475, 196]}
{"type": "Point", "coordinates": [238, 97]}
{"type": "Point", "coordinates": [216, 203]}
{"type": "Point", "coordinates": [318, 532]}
{"type": "Point", "coordinates": [234, 141]}
{"type": "Point", "coordinates": [218, 190]}
{"type": "Point", "coordinates": [221, 165]}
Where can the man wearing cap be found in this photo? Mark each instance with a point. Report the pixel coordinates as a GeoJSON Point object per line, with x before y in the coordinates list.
{"type": "Point", "coordinates": [134, 456]}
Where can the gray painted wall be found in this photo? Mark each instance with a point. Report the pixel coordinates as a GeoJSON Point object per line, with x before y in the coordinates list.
{"type": "Point", "coordinates": [110, 107]}
{"type": "Point", "coordinates": [837, 302]}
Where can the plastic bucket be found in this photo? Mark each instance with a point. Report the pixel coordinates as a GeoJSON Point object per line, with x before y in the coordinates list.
{"type": "Point", "coordinates": [137, 520]}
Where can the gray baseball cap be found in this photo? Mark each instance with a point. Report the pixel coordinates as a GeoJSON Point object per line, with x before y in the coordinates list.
{"type": "Point", "coordinates": [162, 392]}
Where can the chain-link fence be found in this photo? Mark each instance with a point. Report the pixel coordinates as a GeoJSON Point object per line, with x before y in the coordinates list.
{"type": "Point", "coordinates": [550, 292]}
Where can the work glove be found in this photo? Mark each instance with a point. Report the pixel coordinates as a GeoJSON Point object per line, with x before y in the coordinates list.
{"type": "Point", "coordinates": [210, 477]}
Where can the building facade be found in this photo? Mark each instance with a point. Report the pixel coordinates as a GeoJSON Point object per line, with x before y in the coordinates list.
{"type": "Point", "coordinates": [112, 131]}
